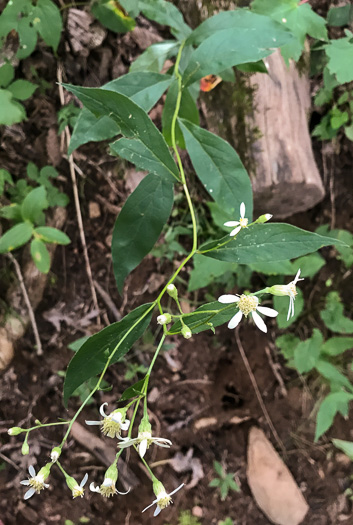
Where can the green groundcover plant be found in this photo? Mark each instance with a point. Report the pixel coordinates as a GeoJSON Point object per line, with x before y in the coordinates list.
{"type": "Point", "coordinates": [119, 111]}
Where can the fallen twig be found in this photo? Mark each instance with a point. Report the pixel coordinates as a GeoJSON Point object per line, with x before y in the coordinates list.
{"type": "Point", "coordinates": [28, 304]}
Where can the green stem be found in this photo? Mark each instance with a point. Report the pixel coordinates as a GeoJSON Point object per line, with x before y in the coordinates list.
{"type": "Point", "coordinates": [153, 477]}
{"type": "Point", "coordinates": [47, 425]}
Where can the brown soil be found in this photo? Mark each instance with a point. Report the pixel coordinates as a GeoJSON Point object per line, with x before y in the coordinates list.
{"type": "Point", "coordinates": [201, 396]}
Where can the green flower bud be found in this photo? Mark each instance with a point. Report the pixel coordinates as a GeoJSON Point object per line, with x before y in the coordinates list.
{"type": "Point", "coordinates": [112, 473]}
{"type": "Point", "coordinates": [55, 454]}
{"type": "Point", "coordinates": [263, 218]}
{"type": "Point", "coordinates": [71, 482]}
{"type": "Point", "coordinates": [25, 448]}
{"type": "Point", "coordinates": [164, 319]}
{"type": "Point", "coordinates": [14, 431]}
{"type": "Point", "coordinates": [186, 332]}
{"type": "Point", "coordinates": [158, 487]}
{"type": "Point", "coordinates": [172, 291]}
{"type": "Point", "coordinates": [45, 471]}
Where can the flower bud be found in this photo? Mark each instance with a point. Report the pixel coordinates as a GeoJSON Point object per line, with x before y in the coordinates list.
{"type": "Point", "coordinates": [158, 487]}
{"type": "Point", "coordinates": [145, 426]}
{"type": "Point", "coordinates": [281, 290]}
{"type": "Point", "coordinates": [55, 454]}
{"type": "Point", "coordinates": [25, 448]}
{"type": "Point", "coordinates": [186, 332]}
{"type": "Point", "coordinates": [14, 431]}
{"type": "Point", "coordinates": [45, 471]}
{"type": "Point", "coordinates": [172, 291]}
{"type": "Point", "coordinates": [164, 319]}
{"type": "Point", "coordinates": [263, 218]}
{"type": "Point", "coordinates": [71, 482]}
{"type": "Point", "coordinates": [112, 473]}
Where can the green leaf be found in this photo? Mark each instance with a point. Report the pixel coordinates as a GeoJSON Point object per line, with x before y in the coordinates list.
{"type": "Point", "coordinates": [7, 73]}
{"type": "Point", "coordinates": [281, 304]}
{"type": "Point", "coordinates": [265, 243]}
{"type": "Point", "coordinates": [338, 118]}
{"type": "Point", "coordinates": [139, 224]}
{"type": "Point", "coordinates": [11, 212]}
{"type": "Point", "coordinates": [5, 176]}
{"type": "Point", "coordinates": [337, 345]}
{"type": "Point", "coordinates": [219, 168]}
{"type": "Point", "coordinates": [345, 446]}
{"type": "Point", "coordinates": [134, 124]}
{"type": "Point", "coordinates": [153, 59]}
{"type": "Point", "coordinates": [214, 482]}
{"type": "Point", "coordinates": [33, 204]}
{"type": "Point", "coordinates": [166, 14]}
{"type": "Point", "coordinates": [188, 110]}
{"type": "Point", "coordinates": [340, 16]}
{"type": "Point", "coordinates": [198, 322]}
{"type": "Point", "coordinates": [111, 17]}
{"type": "Point", "coordinates": [76, 345]}
{"type": "Point", "coordinates": [333, 375]}
{"type": "Point", "coordinates": [287, 344]}
{"type": "Point", "coordinates": [331, 405]}
{"type": "Point", "coordinates": [48, 22]}
{"type": "Point", "coordinates": [309, 265]}
{"type": "Point", "coordinates": [333, 316]}
{"type": "Point", "coordinates": [11, 111]}
{"type": "Point", "coordinates": [133, 390]}
{"type": "Point", "coordinates": [48, 234]}
{"type": "Point", "coordinates": [232, 39]}
{"type": "Point", "coordinates": [144, 88]}
{"type": "Point", "coordinates": [306, 354]}
{"type": "Point", "coordinates": [22, 89]}
{"type": "Point", "coordinates": [299, 18]}
{"type": "Point", "coordinates": [340, 58]}
{"type": "Point", "coordinates": [40, 255]}
{"type": "Point", "coordinates": [219, 469]}
{"type": "Point", "coordinates": [91, 358]}
{"type": "Point", "coordinates": [274, 268]}
{"type": "Point", "coordinates": [206, 270]}
{"type": "Point", "coordinates": [15, 237]}
{"type": "Point", "coordinates": [345, 250]}
{"type": "Point", "coordinates": [28, 37]}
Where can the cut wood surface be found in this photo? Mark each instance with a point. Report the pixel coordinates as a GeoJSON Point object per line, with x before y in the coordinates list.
{"type": "Point", "coordinates": [287, 179]}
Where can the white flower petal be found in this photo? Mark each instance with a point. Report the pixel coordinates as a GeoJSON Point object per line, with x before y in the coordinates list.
{"type": "Point", "coordinates": [46, 485]}
{"type": "Point", "coordinates": [107, 482]}
{"type": "Point", "coordinates": [123, 493]}
{"type": "Point", "coordinates": [296, 278]}
{"type": "Point", "coordinates": [157, 511]}
{"type": "Point", "coordinates": [270, 312]}
{"type": "Point", "coordinates": [242, 210]}
{"type": "Point", "coordinates": [84, 481]}
{"type": "Point", "coordinates": [29, 493]}
{"type": "Point", "coordinates": [143, 447]}
{"type": "Point", "coordinates": [231, 224]}
{"type": "Point", "coordinates": [101, 410]}
{"type": "Point", "coordinates": [235, 320]}
{"type": "Point", "coordinates": [127, 442]}
{"type": "Point", "coordinates": [228, 298]}
{"type": "Point", "coordinates": [93, 488]}
{"type": "Point", "coordinates": [125, 425]}
{"type": "Point", "coordinates": [162, 442]}
{"type": "Point", "coordinates": [93, 422]}
{"type": "Point", "coordinates": [117, 417]}
{"type": "Point", "coordinates": [31, 471]}
{"type": "Point", "coordinates": [25, 482]}
{"type": "Point", "coordinates": [291, 301]}
{"type": "Point", "coordinates": [149, 506]}
{"type": "Point", "coordinates": [235, 231]}
{"type": "Point", "coordinates": [176, 490]}
{"type": "Point", "coordinates": [259, 322]}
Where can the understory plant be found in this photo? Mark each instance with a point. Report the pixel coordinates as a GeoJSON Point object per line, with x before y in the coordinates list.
{"type": "Point", "coordinates": [119, 110]}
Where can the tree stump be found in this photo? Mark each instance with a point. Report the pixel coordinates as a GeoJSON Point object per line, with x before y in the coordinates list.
{"type": "Point", "coordinates": [265, 118]}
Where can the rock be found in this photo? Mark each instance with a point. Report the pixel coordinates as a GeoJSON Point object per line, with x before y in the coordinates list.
{"type": "Point", "coordinates": [272, 485]}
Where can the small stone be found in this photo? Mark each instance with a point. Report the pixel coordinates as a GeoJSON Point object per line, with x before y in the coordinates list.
{"type": "Point", "coordinates": [94, 210]}
{"type": "Point", "coordinates": [197, 512]}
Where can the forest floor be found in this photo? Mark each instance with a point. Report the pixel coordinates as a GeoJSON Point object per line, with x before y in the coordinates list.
{"type": "Point", "coordinates": [201, 396]}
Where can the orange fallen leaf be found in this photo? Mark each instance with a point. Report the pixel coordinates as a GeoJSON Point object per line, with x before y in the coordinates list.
{"type": "Point", "coordinates": [209, 82]}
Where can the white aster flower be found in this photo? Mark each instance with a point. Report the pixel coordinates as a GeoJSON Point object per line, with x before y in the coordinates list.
{"type": "Point", "coordinates": [143, 441]}
{"type": "Point", "coordinates": [76, 489]}
{"type": "Point", "coordinates": [36, 481]}
{"type": "Point", "coordinates": [113, 423]}
{"type": "Point", "coordinates": [162, 498]}
{"type": "Point", "coordinates": [241, 223]}
{"type": "Point", "coordinates": [107, 488]}
{"type": "Point", "coordinates": [287, 289]}
{"type": "Point", "coordinates": [247, 304]}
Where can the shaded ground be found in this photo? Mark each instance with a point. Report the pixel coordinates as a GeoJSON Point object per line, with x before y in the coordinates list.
{"type": "Point", "coordinates": [201, 396]}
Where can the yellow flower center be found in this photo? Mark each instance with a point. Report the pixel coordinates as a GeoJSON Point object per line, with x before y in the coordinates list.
{"type": "Point", "coordinates": [292, 290]}
{"type": "Point", "coordinates": [247, 304]}
{"type": "Point", "coordinates": [37, 483]}
{"type": "Point", "coordinates": [243, 222]}
{"type": "Point", "coordinates": [110, 427]}
{"type": "Point", "coordinates": [107, 490]}
{"type": "Point", "coordinates": [146, 435]}
{"type": "Point", "coordinates": [77, 491]}
{"type": "Point", "coordinates": [164, 500]}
